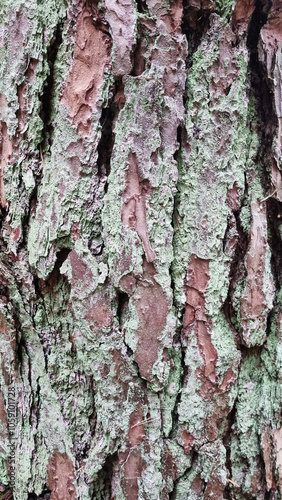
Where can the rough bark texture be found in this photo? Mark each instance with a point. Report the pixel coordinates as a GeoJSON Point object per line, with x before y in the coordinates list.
{"type": "Point", "coordinates": [140, 264]}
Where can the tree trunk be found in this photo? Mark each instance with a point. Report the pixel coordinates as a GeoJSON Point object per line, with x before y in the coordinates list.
{"type": "Point", "coordinates": [141, 251]}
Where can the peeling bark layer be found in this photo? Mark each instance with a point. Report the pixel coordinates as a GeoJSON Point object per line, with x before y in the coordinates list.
{"type": "Point", "coordinates": [140, 235]}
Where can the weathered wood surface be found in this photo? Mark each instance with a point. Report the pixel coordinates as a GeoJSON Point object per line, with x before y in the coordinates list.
{"type": "Point", "coordinates": [140, 264]}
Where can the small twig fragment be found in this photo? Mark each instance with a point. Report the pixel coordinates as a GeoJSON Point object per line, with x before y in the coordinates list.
{"type": "Point", "coordinates": [144, 422]}
{"type": "Point", "coordinates": [269, 196]}
{"type": "Point", "coordinates": [232, 482]}
{"type": "Point", "coordinates": [177, 222]}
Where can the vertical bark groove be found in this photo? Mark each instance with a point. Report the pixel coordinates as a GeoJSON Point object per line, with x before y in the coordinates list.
{"type": "Point", "coordinates": [48, 90]}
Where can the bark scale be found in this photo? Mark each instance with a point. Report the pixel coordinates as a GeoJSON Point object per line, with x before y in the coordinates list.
{"type": "Point", "coordinates": [140, 265]}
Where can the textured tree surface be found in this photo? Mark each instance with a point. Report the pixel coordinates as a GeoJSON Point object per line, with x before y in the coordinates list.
{"type": "Point", "coordinates": [141, 250]}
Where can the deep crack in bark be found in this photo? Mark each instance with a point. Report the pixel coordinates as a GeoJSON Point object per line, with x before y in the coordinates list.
{"type": "Point", "coordinates": [195, 24]}
{"type": "Point", "coordinates": [48, 91]}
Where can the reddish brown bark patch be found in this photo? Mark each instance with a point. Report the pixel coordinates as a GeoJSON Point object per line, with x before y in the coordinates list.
{"type": "Point", "coordinates": [152, 308]}
{"type": "Point", "coordinates": [278, 452]}
{"type": "Point", "coordinates": [122, 20]}
{"type": "Point", "coordinates": [173, 19]}
{"type": "Point", "coordinates": [18, 30]}
{"type": "Point", "coordinates": [267, 443]}
{"type": "Point", "coordinates": [233, 198]}
{"type": "Point", "coordinates": [91, 54]}
{"type": "Point", "coordinates": [188, 441]}
{"type": "Point", "coordinates": [214, 489]}
{"type": "Point", "coordinates": [207, 350]}
{"type": "Point", "coordinates": [75, 232]}
{"type": "Point", "coordinates": [133, 212]}
{"type": "Point", "coordinates": [4, 327]}
{"type": "Point", "coordinates": [123, 374]}
{"type": "Point", "coordinates": [131, 460]}
{"type": "Point", "coordinates": [3, 417]}
{"type": "Point", "coordinates": [22, 90]}
{"type": "Point", "coordinates": [195, 318]}
{"type": "Point", "coordinates": [229, 378]}
{"type": "Point", "coordinates": [6, 150]}
{"type": "Point", "coordinates": [276, 178]}
{"type": "Point", "coordinates": [225, 69]}
{"type": "Point", "coordinates": [132, 470]}
{"type": "Point", "coordinates": [99, 313]}
{"type": "Point", "coordinates": [80, 269]}
{"type": "Point", "coordinates": [197, 486]}
{"type": "Point", "coordinates": [136, 431]}
{"type": "Point", "coordinates": [169, 465]}
{"type": "Point", "coordinates": [15, 234]}
{"type": "Point", "coordinates": [271, 32]}
{"type": "Point", "coordinates": [127, 283]}
{"type": "Point", "coordinates": [60, 477]}
{"type": "Point", "coordinates": [167, 52]}
{"type": "Point", "coordinates": [254, 307]}
{"type": "Point", "coordinates": [271, 36]}
{"type": "Point", "coordinates": [241, 16]}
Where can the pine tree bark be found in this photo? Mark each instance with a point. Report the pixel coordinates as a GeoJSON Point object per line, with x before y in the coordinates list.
{"type": "Point", "coordinates": [140, 264]}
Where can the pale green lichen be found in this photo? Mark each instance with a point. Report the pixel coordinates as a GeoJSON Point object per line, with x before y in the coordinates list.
{"type": "Point", "coordinates": [142, 95]}
{"type": "Point", "coordinates": [258, 407]}
{"type": "Point", "coordinates": [169, 396]}
{"type": "Point", "coordinates": [224, 7]}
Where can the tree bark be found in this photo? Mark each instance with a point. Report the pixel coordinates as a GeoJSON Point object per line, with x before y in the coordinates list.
{"type": "Point", "coordinates": [140, 264]}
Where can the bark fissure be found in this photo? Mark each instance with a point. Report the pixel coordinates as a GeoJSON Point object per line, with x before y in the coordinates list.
{"type": "Point", "coordinates": [195, 24]}
{"type": "Point", "coordinates": [105, 148]}
{"type": "Point", "coordinates": [237, 267]}
{"type": "Point", "coordinates": [137, 56]}
{"type": "Point", "coordinates": [104, 481]}
{"type": "Point", "coordinates": [230, 422]}
{"type": "Point", "coordinates": [48, 91]}
{"type": "Point", "coordinates": [108, 117]}
{"type": "Point", "coordinates": [45, 495]}
{"type": "Point", "coordinates": [123, 300]}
